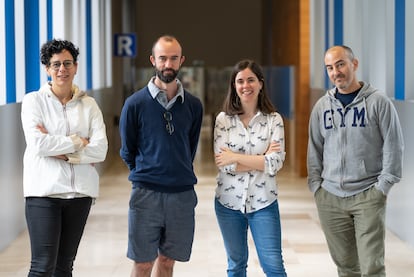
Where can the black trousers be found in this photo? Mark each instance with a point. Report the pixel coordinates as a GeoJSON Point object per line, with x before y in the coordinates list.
{"type": "Point", "coordinates": [55, 229]}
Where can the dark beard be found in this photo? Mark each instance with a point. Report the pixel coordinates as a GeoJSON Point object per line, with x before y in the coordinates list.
{"type": "Point", "coordinates": [166, 78]}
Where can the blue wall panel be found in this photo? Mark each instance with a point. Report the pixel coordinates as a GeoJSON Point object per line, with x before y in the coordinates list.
{"type": "Point", "coordinates": [338, 22]}
{"type": "Point", "coordinates": [89, 84]}
{"type": "Point", "coordinates": [31, 12]}
{"type": "Point", "coordinates": [399, 49]}
{"type": "Point", "coordinates": [10, 52]}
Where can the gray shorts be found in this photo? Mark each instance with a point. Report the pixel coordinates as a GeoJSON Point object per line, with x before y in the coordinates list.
{"type": "Point", "coordinates": [160, 222]}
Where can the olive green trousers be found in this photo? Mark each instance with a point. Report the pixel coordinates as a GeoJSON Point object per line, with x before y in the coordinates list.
{"type": "Point", "coordinates": [354, 228]}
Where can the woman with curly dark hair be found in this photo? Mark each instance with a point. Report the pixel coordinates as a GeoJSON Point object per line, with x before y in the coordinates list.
{"type": "Point", "coordinates": [65, 136]}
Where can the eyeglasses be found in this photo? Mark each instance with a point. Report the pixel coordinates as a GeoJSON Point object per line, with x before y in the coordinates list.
{"type": "Point", "coordinates": [56, 65]}
{"type": "Point", "coordinates": [169, 127]}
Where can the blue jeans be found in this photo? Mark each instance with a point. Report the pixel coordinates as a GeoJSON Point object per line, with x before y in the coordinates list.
{"type": "Point", "coordinates": [266, 232]}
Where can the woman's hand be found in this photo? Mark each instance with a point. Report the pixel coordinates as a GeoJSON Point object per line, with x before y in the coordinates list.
{"type": "Point", "coordinates": [273, 147]}
{"type": "Point", "coordinates": [225, 157]}
{"type": "Point", "coordinates": [85, 141]}
{"type": "Point", "coordinates": [41, 128]}
{"type": "Point", "coordinates": [61, 157]}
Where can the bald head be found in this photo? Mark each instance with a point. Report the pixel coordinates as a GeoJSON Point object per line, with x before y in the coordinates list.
{"type": "Point", "coordinates": [341, 49]}
{"type": "Point", "coordinates": [341, 66]}
{"type": "Point", "coordinates": [164, 41]}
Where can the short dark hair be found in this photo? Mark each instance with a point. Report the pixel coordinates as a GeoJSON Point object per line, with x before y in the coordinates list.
{"type": "Point", "coordinates": [347, 50]}
{"type": "Point", "coordinates": [232, 104]}
{"type": "Point", "coordinates": [56, 46]}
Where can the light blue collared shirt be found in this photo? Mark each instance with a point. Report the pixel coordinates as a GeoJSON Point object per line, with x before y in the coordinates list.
{"type": "Point", "coordinates": [161, 96]}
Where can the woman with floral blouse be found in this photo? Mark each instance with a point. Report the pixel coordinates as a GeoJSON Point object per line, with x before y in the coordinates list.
{"type": "Point", "coordinates": [249, 151]}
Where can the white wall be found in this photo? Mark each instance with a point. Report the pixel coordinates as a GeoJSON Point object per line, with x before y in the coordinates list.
{"type": "Point", "coordinates": [369, 29]}
{"type": "Point", "coordinates": [68, 23]}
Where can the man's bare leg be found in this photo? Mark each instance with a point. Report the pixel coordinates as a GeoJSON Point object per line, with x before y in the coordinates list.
{"type": "Point", "coordinates": [163, 266]}
{"type": "Point", "coordinates": [142, 269]}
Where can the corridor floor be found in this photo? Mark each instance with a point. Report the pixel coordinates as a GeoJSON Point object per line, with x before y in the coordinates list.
{"type": "Point", "coordinates": [103, 247]}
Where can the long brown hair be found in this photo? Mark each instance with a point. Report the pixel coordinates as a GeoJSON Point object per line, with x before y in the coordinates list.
{"type": "Point", "coordinates": [232, 104]}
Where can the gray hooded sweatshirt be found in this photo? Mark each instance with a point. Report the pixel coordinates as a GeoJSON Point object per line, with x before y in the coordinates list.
{"type": "Point", "coordinates": [355, 147]}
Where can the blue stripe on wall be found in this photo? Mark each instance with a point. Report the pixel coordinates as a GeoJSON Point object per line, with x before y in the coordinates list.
{"type": "Point", "coordinates": [49, 23]}
{"type": "Point", "coordinates": [338, 27]}
{"type": "Point", "coordinates": [10, 52]}
{"type": "Point", "coordinates": [88, 45]}
{"type": "Point", "coordinates": [338, 22]}
{"type": "Point", "coordinates": [31, 25]}
{"type": "Point", "coordinates": [399, 77]}
{"type": "Point", "coordinates": [327, 24]}
{"type": "Point", "coordinates": [327, 36]}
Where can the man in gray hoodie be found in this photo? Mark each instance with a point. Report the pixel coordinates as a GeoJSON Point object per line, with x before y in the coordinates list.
{"type": "Point", "coordinates": [354, 158]}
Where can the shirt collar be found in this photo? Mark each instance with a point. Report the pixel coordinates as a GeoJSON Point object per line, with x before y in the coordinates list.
{"type": "Point", "coordinates": [154, 90]}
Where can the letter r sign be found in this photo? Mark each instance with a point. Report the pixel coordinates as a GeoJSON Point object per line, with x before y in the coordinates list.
{"type": "Point", "coordinates": [125, 45]}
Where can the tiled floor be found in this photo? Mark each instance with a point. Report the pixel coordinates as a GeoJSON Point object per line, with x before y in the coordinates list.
{"type": "Point", "coordinates": [102, 250]}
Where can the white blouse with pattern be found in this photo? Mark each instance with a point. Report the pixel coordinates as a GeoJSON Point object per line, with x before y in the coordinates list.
{"type": "Point", "coordinates": [253, 190]}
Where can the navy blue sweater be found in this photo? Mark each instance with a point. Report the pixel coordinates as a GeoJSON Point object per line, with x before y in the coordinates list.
{"type": "Point", "coordinates": [157, 160]}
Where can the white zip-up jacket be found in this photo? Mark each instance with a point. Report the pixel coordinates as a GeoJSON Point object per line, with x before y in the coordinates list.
{"type": "Point", "coordinates": [44, 175]}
